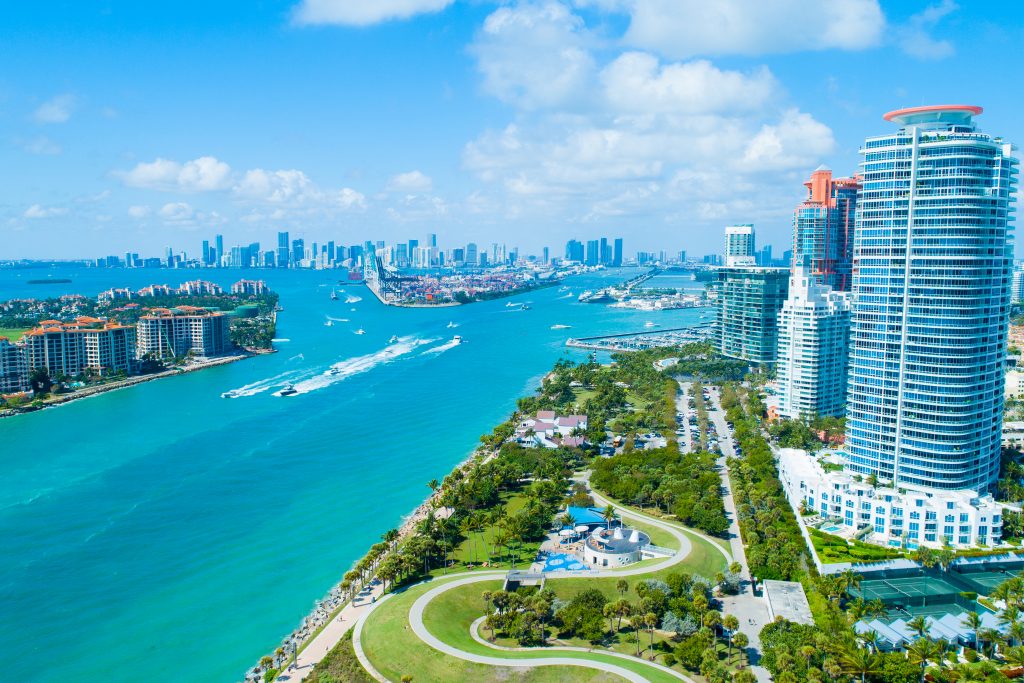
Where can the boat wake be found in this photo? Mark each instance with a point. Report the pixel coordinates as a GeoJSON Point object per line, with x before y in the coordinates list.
{"type": "Point", "coordinates": [260, 386]}
{"type": "Point", "coordinates": [337, 320]}
{"type": "Point", "coordinates": [444, 347]}
{"type": "Point", "coordinates": [342, 370]}
{"type": "Point", "coordinates": [352, 298]}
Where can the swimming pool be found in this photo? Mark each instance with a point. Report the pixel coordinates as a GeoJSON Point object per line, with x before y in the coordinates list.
{"type": "Point", "coordinates": [561, 562]}
{"type": "Point", "coordinates": [832, 528]}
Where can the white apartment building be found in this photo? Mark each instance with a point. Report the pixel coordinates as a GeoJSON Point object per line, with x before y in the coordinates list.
{"type": "Point", "coordinates": [814, 327]}
{"type": "Point", "coordinates": [177, 332]}
{"type": "Point", "coordinates": [739, 245]}
{"type": "Point", "coordinates": [13, 371]}
{"type": "Point", "coordinates": [88, 344]}
{"type": "Point", "coordinates": [894, 517]}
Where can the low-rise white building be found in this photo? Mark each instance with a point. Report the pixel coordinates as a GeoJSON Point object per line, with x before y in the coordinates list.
{"type": "Point", "coordinates": [894, 517]}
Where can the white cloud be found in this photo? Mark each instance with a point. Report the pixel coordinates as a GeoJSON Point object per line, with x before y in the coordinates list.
{"type": "Point", "coordinates": [685, 28]}
{"type": "Point", "coordinates": [56, 110]}
{"type": "Point", "coordinates": [914, 37]}
{"type": "Point", "coordinates": [413, 181]}
{"type": "Point", "coordinates": [199, 175]}
{"type": "Point", "coordinates": [177, 212]}
{"type": "Point", "coordinates": [534, 55]}
{"type": "Point", "coordinates": [635, 81]}
{"type": "Point", "coordinates": [40, 145]}
{"type": "Point", "coordinates": [38, 211]}
{"type": "Point", "coordinates": [139, 211]}
{"type": "Point", "coordinates": [362, 12]}
{"type": "Point", "coordinates": [294, 187]}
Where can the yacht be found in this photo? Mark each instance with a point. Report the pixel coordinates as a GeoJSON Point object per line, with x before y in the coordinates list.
{"type": "Point", "coordinates": [329, 323]}
{"type": "Point", "coordinates": [288, 390]}
{"type": "Point", "coordinates": [393, 339]}
{"type": "Point", "coordinates": [456, 340]}
{"type": "Point", "coordinates": [560, 327]}
{"type": "Point", "coordinates": [234, 393]}
{"type": "Point", "coordinates": [334, 295]}
{"type": "Point", "coordinates": [451, 325]}
{"type": "Point", "coordinates": [360, 331]}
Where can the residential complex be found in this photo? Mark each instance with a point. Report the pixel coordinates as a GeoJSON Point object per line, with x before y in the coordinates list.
{"type": "Point", "coordinates": [749, 301]}
{"type": "Point", "coordinates": [177, 332]}
{"type": "Point", "coordinates": [814, 326]}
{"type": "Point", "coordinates": [823, 229]}
{"type": "Point", "coordinates": [739, 245]}
{"type": "Point", "coordinates": [14, 376]}
{"type": "Point", "coordinates": [928, 341]}
{"type": "Point", "coordinates": [86, 345]}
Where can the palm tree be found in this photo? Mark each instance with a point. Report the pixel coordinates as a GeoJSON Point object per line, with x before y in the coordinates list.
{"type": "Point", "coordinates": [744, 676]}
{"type": "Point", "coordinates": [651, 621]}
{"type": "Point", "coordinates": [433, 485]}
{"type": "Point", "coordinates": [609, 613]}
{"type": "Point", "coordinates": [919, 625]}
{"type": "Point", "coordinates": [1014, 656]}
{"type": "Point", "coordinates": [972, 620]}
{"type": "Point", "coordinates": [608, 514]}
{"type": "Point", "coordinates": [730, 623]}
{"type": "Point", "coordinates": [860, 662]}
{"type": "Point", "coordinates": [622, 586]}
{"type": "Point", "coordinates": [851, 580]}
{"type": "Point", "coordinates": [919, 652]}
{"type": "Point", "coordinates": [870, 640]}
{"type": "Point", "coordinates": [637, 621]}
{"type": "Point", "coordinates": [740, 640]}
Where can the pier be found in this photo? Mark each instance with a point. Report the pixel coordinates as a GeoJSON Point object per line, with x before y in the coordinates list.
{"type": "Point", "coordinates": [641, 341]}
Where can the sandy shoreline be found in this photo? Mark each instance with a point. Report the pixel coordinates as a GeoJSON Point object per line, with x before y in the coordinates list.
{"type": "Point", "coordinates": [61, 399]}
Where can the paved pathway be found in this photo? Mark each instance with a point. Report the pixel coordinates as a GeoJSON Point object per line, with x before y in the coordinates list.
{"type": "Point", "coordinates": [748, 608]}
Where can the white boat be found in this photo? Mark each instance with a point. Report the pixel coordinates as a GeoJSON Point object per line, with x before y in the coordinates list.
{"type": "Point", "coordinates": [288, 390]}
{"type": "Point", "coordinates": [329, 323]}
{"type": "Point", "coordinates": [234, 393]}
{"type": "Point", "coordinates": [360, 331]}
{"type": "Point", "coordinates": [511, 303]}
{"type": "Point", "coordinates": [451, 325]}
{"type": "Point", "coordinates": [560, 327]}
{"type": "Point", "coordinates": [393, 339]}
{"type": "Point", "coordinates": [456, 340]}
{"type": "Point", "coordinates": [649, 324]}
{"type": "Point", "coordinates": [334, 295]}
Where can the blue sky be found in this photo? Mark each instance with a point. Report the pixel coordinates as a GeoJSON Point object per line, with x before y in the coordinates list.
{"type": "Point", "coordinates": [133, 126]}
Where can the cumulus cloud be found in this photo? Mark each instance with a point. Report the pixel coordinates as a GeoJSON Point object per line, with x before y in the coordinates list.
{"type": "Point", "coordinates": [294, 187]}
{"type": "Point", "coordinates": [56, 110]}
{"type": "Point", "coordinates": [915, 38]}
{"type": "Point", "coordinates": [796, 140]}
{"type": "Point", "coordinates": [413, 181]}
{"type": "Point", "coordinates": [139, 211]}
{"type": "Point", "coordinates": [199, 175]}
{"type": "Point", "coordinates": [361, 12]}
{"type": "Point", "coordinates": [39, 211]}
{"type": "Point", "coordinates": [636, 81]}
{"type": "Point", "coordinates": [686, 28]}
{"type": "Point", "coordinates": [177, 212]}
{"type": "Point", "coordinates": [534, 55]}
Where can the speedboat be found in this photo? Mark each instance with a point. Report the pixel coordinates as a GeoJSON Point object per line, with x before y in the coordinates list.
{"type": "Point", "coordinates": [510, 304]}
{"type": "Point", "coordinates": [334, 295]}
{"type": "Point", "coordinates": [288, 390]}
{"type": "Point", "coordinates": [649, 324]}
{"type": "Point", "coordinates": [451, 325]}
{"type": "Point", "coordinates": [456, 340]}
{"type": "Point", "coordinates": [360, 331]}
{"type": "Point", "coordinates": [393, 339]}
{"type": "Point", "coordinates": [329, 323]}
{"type": "Point", "coordinates": [560, 327]}
{"type": "Point", "coordinates": [524, 308]}
{"type": "Point", "coordinates": [234, 393]}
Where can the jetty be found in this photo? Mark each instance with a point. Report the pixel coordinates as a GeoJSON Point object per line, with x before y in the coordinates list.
{"type": "Point", "coordinates": [641, 341]}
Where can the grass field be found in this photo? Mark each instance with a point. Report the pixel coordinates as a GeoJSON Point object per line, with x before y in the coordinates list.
{"type": "Point", "coordinates": [395, 650]}
{"type": "Point", "coordinates": [13, 333]}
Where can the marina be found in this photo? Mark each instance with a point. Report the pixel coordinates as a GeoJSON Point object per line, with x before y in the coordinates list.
{"type": "Point", "coordinates": [641, 341]}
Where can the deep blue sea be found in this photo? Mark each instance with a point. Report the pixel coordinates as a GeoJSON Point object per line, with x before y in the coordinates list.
{"type": "Point", "coordinates": [162, 532]}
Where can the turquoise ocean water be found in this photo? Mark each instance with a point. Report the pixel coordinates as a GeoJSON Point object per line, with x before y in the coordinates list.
{"type": "Point", "coordinates": [162, 532]}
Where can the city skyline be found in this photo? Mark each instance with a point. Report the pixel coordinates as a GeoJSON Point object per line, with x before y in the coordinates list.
{"type": "Point", "coordinates": [487, 130]}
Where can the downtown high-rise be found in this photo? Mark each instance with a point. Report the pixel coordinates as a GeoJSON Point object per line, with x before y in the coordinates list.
{"type": "Point", "coordinates": [932, 267]}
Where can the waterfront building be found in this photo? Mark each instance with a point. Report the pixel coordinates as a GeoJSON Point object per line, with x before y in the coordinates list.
{"type": "Point", "coordinates": [593, 252]}
{"type": "Point", "coordinates": [1017, 291]}
{"type": "Point", "coordinates": [13, 369]}
{"type": "Point", "coordinates": [886, 515]}
{"type": "Point", "coordinates": [199, 287]}
{"type": "Point", "coordinates": [823, 227]}
{"type": "Point", "coordinates": [617, 254]}
{"type": "Point", "coordinates": [749, 301]}
{"type": "Point", "coordinates": [219, 241]}
{"type": "Point", "coordinates": [574, 251]}
{"type": "Point", "coordinates": [177, 332]}
{"type": "Point", "coordinates": [85, 345]}
{"type": "Point", "coordinates": [249, 287]}
{"type": "Point", "coordinates": [739, 245]}
{"type": "Point", "coordinates": [814, 326]}
{"type": "Point", "coordinates": [928, 342]}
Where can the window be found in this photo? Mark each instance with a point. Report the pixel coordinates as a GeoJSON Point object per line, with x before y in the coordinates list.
{"type": "Point", "coordinates": [915, 515]}
{"type": "Point", "coordinates": [964, 517]}
{"type": "Point", "coordinates": [947, 531]}
{"type": "Point", "coordinates": [919, 503]}
{"type": "Point", "coordinates": [964, 540]}
{"type": "Point", "coordinates": [949, 518]}
{"type": "Point", "coordinates": [950, 505]}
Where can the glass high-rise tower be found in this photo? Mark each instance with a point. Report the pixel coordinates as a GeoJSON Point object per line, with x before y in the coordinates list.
{"type": "Point", "coordinates": [931, 290]}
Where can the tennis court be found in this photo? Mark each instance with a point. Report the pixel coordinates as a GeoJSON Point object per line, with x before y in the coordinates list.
{"type": "Point", "coordinates": [912, 589]}
{"type": "Point", "coordinates": [984, 582]}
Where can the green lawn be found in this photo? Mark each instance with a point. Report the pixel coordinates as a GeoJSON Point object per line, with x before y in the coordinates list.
{"type": "Point", "coordinates": [13, 333]}
{"type": "Point", "coordinates": [395, 651]}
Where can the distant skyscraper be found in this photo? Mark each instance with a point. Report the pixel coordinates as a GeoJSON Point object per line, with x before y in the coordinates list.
{"type": "Point", "coordinates": [931, 289]}
{"type": "Point", "coordinates": [170, 257]}
{"type": "Point", "coordinates": [739, 245]}
{"type": "Point", "coordinates": [574, 251]}
{"type": "Point", "coordinates": [472, 258]}
{"type": "Point", "coordinates": [298, 251]}
{"type": "Point", "coordinates": [1017, 291]}
{"type": "Point", "coordinates": [604, 254]}
{"type": "Point", "coordinates": [617, 256]}
{"type": "Point", "coordinates": [823, 228]}
{"type": "Point", "coordinates": [814, 327]}
{"type": "Point", "coordinates": [282, 250]}
{"type": "Point", "coordinates": [749, 301]}
{"type": "Point", "coordinates": [593, 252]}
{"type": "Point", "coordinates": [432, 239]}
{"type": "Point", "coordinates": [219, 239]}
{"type": "Point", "coordinates": [206, 253]}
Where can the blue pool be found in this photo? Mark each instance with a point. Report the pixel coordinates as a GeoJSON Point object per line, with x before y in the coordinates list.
{"type": "Point", "coordinates": [831, 528]}
{"type": "Point", "coordinates": [560, 562]}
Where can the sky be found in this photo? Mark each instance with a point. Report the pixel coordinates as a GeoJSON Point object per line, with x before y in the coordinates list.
{"type": "Point", "coordinates": [128, 126]}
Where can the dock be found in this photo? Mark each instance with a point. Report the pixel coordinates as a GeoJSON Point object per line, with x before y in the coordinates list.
{"type": "Point", "coordinates": [641, 341]}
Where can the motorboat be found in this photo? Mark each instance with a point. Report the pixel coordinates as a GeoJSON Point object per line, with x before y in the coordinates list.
{"type": "Point", "coordinates": [650, 324]}
{"type": "Point", "coordinates": [393, 339]}
{"type": "Point", "coordinates": [288, 390]}
{"type": "Point", "coordinates": [329, 323]}
{"type": "Point", "coordinates": [560, 327]}
{"type": "Point", "coordinates": [234, 393]}
{"type": "Point", "coordinates": [334, 295]}
{"type": "Point", "coordinates": [360, 331]}
{"type": "Point", "coordinates": [451, 325]}
{"type": "Point", "coordinates": [456, 340]}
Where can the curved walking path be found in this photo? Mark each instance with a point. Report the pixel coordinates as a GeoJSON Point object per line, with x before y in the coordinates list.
{"type": "Point", "coordinates": [474, 632]}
